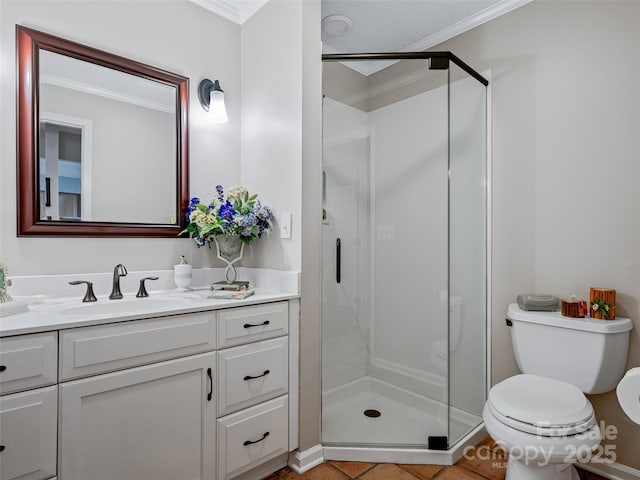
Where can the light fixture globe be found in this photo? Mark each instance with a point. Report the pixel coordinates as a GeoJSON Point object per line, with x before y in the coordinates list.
{"type": "Point", "coordinates": [211, 98]}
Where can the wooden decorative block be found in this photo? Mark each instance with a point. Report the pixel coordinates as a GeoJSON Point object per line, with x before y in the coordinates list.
{"type": "Point", "coordinates": [602, 303]}
{"type": "Point", "coordinates": [574, 307]}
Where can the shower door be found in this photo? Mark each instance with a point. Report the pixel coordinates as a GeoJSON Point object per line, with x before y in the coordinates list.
{"type": "Point", "coordinates": [385, 259]}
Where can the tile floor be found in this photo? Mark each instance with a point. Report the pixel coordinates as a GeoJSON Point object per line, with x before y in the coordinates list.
{"type": "Point", "coordinates": [489, 464]}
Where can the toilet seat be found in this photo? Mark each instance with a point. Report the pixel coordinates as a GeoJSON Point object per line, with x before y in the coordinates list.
{"type": "Point", "coordinates": [541, 406]}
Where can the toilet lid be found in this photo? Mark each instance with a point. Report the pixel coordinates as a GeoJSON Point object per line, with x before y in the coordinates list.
{"type": "Point", "coordinates": [541, 403]}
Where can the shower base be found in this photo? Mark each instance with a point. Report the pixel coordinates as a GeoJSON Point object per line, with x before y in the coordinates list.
{"type": "Point", "coordinates": [398, 433]}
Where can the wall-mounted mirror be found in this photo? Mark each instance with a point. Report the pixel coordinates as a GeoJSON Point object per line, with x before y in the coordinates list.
{"type": "Point", "coordinates": [102, 142]}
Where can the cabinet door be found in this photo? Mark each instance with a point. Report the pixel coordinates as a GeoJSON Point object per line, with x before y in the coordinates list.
{"type": "Point", "coordinates": [153, 422]}
{"type": "Point", "coordinates": [28, 434]}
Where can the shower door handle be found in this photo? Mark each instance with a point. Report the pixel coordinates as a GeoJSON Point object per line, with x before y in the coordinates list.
{"type": "Point", "coordinates": [338, 259]}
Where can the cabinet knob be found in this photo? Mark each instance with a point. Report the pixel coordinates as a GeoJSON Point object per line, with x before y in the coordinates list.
{"type": "Point", "coordinates": [3, 368]}
{"type": "Point", "coordinates": [1, 448]}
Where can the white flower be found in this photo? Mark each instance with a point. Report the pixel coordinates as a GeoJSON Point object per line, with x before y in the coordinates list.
{"type": "Point", "coordinates": [236, 193]}
{"type": "Point", "coordinates": [198, 217]}
{"type": "Point", "coordinates": [594, 306]}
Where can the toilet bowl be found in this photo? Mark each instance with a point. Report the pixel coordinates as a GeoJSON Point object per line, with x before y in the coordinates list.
{"type": "Point", "coordinates": [541, 417]}
{"type": "Point", "coordinates": [545, 425]}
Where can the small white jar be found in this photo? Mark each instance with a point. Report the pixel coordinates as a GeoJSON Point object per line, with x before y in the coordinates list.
{"type": "Point", "coordinates": [182, 274]}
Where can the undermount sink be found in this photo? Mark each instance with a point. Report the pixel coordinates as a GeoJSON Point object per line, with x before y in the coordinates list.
{"type": "Point", "coordinates": [128, 305]}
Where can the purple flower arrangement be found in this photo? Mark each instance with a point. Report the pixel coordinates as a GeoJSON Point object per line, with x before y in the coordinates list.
{"type": "Point", "coordinates": [239, 213]}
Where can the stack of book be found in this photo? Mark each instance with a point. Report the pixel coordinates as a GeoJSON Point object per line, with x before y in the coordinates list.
{"type": "Point", "coordinates": [233, 286]}
{"type": "Point", "coordinates": [233, 291]}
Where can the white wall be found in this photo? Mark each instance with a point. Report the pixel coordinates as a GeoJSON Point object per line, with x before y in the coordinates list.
{"type": "Point", "coordinates": [565, 164]}
{"type": "Point", "coordinates": [410, 199]}
{"type": "Point", "coordinates": [174, 35]}
{"type": "Point", "coordinates": [271, 164]}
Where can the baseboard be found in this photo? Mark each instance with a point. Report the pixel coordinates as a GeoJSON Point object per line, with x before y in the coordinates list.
{"type": "Point", "coordinates": [612, 471]}
{"type": "Point", "coordinates": [300, 462]}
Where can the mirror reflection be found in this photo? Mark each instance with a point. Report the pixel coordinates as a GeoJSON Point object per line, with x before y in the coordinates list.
{"type": "Point", "coordinates": [107, 144]}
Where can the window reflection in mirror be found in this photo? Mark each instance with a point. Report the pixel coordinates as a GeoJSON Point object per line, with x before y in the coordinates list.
{"type": "Point", "coordinates": [107, 144]}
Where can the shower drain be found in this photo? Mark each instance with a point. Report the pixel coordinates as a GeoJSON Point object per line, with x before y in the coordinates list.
{"type": "Point", "coordinates": [372, 413]}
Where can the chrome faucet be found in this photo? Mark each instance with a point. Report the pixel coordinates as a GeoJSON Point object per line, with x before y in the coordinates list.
{"type": "Point", "coordinates": [119, 271]}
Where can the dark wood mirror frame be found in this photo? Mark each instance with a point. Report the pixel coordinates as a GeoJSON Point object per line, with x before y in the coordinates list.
{"type": "Point", "coordinates": [28, 45]}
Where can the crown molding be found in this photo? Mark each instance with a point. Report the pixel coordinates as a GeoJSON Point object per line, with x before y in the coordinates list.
{"type": "Point", "coordinates": [104, 92]}
{"type": "Point", "coordinates": [464, 25]}
{"type": "Point", "coordinates": [237, 11]}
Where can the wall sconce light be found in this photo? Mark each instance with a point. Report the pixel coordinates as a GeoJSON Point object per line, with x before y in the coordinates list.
{"type": "Point", "coordinates": [211, 98]}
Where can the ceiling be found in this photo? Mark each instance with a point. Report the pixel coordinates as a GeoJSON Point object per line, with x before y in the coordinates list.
{"type": "Point", "coordinates": [385, 25]}
{"type": "Point", "coordinates": [404, 25]}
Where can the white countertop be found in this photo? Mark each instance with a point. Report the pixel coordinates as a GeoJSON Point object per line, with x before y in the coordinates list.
{"type": "Point", "coordinates": [62, 313]}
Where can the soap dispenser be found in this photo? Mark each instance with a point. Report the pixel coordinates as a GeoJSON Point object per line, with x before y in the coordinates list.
{"type": "Point", "coordinates": [182, 274]}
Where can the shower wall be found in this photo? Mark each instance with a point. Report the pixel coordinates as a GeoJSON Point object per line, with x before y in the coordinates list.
{"type": "Point", "coordinates": [385, 198]}
{"type": "Point", "coordinates": [345, 305]}
{"type": "Point", "coordinates": [386, 195]}
{"type": "Point", "coordinates": [409, 160]}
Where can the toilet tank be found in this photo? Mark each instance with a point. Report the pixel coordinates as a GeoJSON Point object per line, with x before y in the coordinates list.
{"type": "Point", "coordinates": [588, 353]}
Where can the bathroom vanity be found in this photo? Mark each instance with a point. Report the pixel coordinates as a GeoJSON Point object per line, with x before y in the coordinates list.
{"type": "Point", "coordinates": [198, 391]}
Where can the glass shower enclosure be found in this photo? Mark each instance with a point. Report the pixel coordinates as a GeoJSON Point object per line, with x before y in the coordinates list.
{"type": "Point", "coordinates": [404, 250]}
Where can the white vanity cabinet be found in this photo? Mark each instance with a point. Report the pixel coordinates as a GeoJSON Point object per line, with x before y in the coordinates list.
{"type": "Point", "coordinates": [199, 396]}
{"type": "Point", "coordinates": [28, 411]}
{"type": "Point", "coordinates": [137, 399]}
{"type": "Point", "coordinates": [253, 386]}
{"type": "Point", "coordinates": [155, 421]}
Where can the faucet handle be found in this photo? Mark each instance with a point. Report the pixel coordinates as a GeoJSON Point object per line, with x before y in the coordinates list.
{"type": "Point", "coordinates": [142, 291]}
{"type": "Point", "coordinates": [89, 296]}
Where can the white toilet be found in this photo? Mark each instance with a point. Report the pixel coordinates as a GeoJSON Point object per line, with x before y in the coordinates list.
{"type": "Point", "coordinates": [541, 417]}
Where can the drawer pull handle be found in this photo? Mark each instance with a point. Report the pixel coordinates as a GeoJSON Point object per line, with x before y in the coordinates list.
{"type": "Point", "coordinates": [1, 448]}
{"type": "Point", "coordinates": [210, 394]}
{"type": "Point", "coordinates": [249, 377]}
{"type": "Point", "coordinates": [251, 442]}
{"type": "Point", "coordinates": [3, 368]}
{"type": "Point", "coordinates": [249, 325]}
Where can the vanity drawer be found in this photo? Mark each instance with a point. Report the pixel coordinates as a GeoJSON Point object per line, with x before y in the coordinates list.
{"type": "Point", "coordinates": [28, 361]}
{"type": "Point", "coordinates": [91, 350]}
{"type": "Point", "coordinates": [28, 434]}
{"type": "Point", "coordinates": [249, 324]}
{"type": "Point", "coordinates": [252, 436]}
{"type": "Point", "coordinates": [251, 374]}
